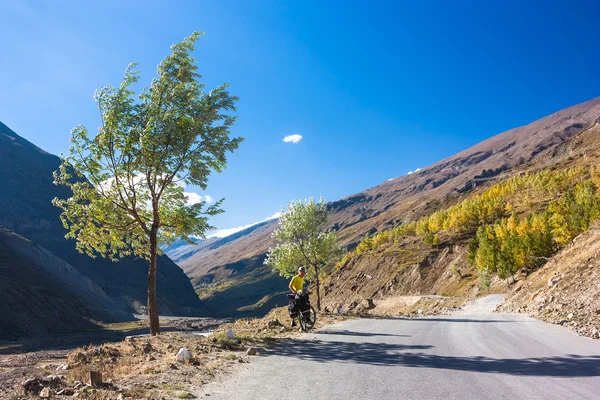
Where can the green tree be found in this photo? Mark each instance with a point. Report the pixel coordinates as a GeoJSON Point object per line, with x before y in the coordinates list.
{"type": "Point", "coordinates": [128, 180]}
{"type": "Point", "coordinates": [302, 240]}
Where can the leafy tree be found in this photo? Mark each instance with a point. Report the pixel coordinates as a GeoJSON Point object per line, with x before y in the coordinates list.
{"type": "Point", "coordinates": [127, 181]}
{"type": "Point", "coordinates": [302, 241]}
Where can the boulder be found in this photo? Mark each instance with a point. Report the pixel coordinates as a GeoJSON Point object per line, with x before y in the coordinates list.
{"type": "Point", "coordinates": [368, 304]}
{"type": "Point", "coordinates": [274, 324]}
{"type": "Point", "coordinates": [62, 368]}
{"type": "Point", "coordinates": [251, 351]}
{"type": "Point", "coordinates": [553, 281]}
{"type": "Point", "coordinates": [32, 385]}
{"type": "Point", "coordinates": [183, 355]}
{"type": "Point", "coordinates": [230, 334]}
{"type": "Point", "coordinates": [147, 348]}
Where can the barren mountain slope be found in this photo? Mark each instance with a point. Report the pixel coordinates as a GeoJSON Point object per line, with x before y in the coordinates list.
{"type": "Point", "coordinates": [42, 294]}
{"type": "Point", "coordinates": [246, 244]}
{"type": "Point", "coordinates": [26, 209]}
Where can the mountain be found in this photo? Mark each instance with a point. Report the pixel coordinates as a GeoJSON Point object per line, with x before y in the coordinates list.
{"type": "Point", "coordinates": [238, 284]}
{"type": "Point", "coordinates": [404, 199]}
{"type": "Point", "coordinates": [26, 209]}
{"type": "Point", "coordinates": [43, 295]}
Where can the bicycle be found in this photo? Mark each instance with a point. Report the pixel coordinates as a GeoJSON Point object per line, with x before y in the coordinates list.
{"type": "Point", "coordinates": [307, 316]}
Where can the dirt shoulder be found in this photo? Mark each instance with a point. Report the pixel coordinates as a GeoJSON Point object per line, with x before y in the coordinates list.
{"type": "Point", "coordinates": [144, 367]}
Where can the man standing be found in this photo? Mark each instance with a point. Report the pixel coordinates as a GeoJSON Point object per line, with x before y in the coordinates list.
{"type": "Point", "coordinates": [296, 285]}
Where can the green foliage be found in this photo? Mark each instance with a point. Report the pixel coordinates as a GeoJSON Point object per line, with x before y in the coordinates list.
{"type": "Point", "coordinates": [574, 212]}
{"type": "Point", "coordinates": [512, 244]}
{"type": "Point", "coordinates": [503, 243]}
{"type": "Point", "coordinates": [301, 239]}
{"type": "Point", "coordinates": [365, 245]}
{"type": "Point", "coordinates": [485, 280]}
{"type": "Point", "coordinates": [127, 181]}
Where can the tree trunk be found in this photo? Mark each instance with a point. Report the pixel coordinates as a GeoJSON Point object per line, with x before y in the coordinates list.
{"type": "Point", "coordinates": [318, 289]}
{"type": "Point", "coordinates": [152, 305]}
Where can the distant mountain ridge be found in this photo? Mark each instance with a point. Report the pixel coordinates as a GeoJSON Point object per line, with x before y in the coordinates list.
{"type": "Point", "coordinates": [26, 209]}
{"type": "Point", "coordinates": [402, 199]}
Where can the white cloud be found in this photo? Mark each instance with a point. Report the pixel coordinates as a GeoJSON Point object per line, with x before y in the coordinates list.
{"type": "Point", "coordinates": [295, 138]}
{"type": "Point", "coordinates": [140, 181]}
{"type": "Point", "coordinates": [230, 231]}
{"type": "Point", "coordinates": [412, 172]}
{"type": "Point", "coordinates": [195, 198]}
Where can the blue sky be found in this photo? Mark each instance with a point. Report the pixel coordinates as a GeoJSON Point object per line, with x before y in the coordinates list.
{"type": "Point", "coordinates": [375, 89]}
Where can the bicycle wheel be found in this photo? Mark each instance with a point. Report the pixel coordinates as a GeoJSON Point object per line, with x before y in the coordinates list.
{"type": "Point", "coordinates": [302, 322]}
{"type": "Point", "coordinates": [311, 319]}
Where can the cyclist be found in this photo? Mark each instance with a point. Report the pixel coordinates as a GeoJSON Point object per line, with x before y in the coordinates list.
{"type": "Point", "coordinates": [296, 285]}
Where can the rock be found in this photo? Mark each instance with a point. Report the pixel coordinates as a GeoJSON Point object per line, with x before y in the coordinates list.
{"type": "Point", "coordinates": [183, 355]}
{"type": "Point", "coordinates": [62, 368]}
{"type": "Point", "coordinates": [78, 384]}
{"type": "Point", "coordinates": [274, 324]}
{"type": "Point", "coordinates": [51, 380]}
{"type": "Point", "coordinates": [173, 366]}
{"type": "Point", "coordinates": [368, 304]}
{"type": "Point", "coordinates": [120, 396]}
{"type": "Point", "coordinates": [66, 392]}
{"type": "Point", "coordinates": [114, 353]}
{"type": "Point", "coordinates": [79, 357]}
{"type": "Point", "coordinates": [251, 351]}
{"type": "Point", "coordinates": [46, 393]}
{"type": "Point", "coordinates": [230, 334]}
{"type": "Point", "coordinates": [419, 311]}
{"type": "Point", "coordinates": [147, 348]}
{"type": "Point", "coordinates": [570, 316]}
{"type": "Point", "coordinates": [553, 281]}
{"type": "Point", "coordinates": [150, 358]}
{"type": "Point", "coordinates": [283, 329]}
{"type": "Point", "coordinates": [95, 378]}
{"type": "Point", "coordinates": [195, 361]}
{"type": "Point", "coordinates": [33, 385]}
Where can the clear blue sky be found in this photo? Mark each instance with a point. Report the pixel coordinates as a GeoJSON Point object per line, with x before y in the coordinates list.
{"type": "Point", "coordinates": [375, 88]}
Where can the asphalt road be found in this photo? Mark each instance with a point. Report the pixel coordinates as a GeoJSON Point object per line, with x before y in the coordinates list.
{"type": "Point", "coordinates": [474, 355]}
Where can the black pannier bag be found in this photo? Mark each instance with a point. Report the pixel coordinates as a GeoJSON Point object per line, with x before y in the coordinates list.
{"type": "Point", "coordinates": [292, 307]}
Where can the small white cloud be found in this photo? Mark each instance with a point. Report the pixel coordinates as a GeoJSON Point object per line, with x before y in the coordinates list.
{"type": "Point", "coordinates": [230, 231]}
{"type": "Point", "coordinates": [295, 138]}
{"type": "Point", "coordinates": [195, 198]}
{"type": "Point", "coordinates": [391, 179]}
{"type": "Point", "coordinates": [412, 172]}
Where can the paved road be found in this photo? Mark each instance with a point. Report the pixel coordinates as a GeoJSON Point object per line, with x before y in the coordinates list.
{"type": "Point", "coordinates": [474, 355]}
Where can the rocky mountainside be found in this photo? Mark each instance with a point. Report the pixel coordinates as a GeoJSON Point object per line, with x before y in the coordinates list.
{"type": "Point", "coordinates": [565, 291]}
{"type": "Point", "coordinates": [537, 145]}
{"type": "Point", "coordinates": [43, 295]}
{"type": "Point", "coordinates": [26, 209]}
